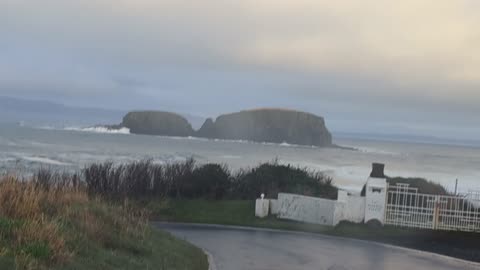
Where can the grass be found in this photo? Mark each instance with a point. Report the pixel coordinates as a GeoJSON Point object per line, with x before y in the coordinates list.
{"type": "Point", "coordinates": [461, 245]}
{"type": "Point", "coordinates": [99, 218]}
{"type": "Point", "coordinates": [60, 227]}
{"type": "Point", "coordinates": [227, 212]}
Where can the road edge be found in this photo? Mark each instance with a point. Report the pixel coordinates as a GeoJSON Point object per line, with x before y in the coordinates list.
{"type": "Point", "coordinates": [211, 261]}
{"type": "Point", "coordinates": [247, 228]}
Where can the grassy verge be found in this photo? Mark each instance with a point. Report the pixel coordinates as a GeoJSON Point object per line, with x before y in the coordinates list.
{"type": "Point", "coordinates": [456, 244]}
{"type": "Point", "coordinates": [62, 228]}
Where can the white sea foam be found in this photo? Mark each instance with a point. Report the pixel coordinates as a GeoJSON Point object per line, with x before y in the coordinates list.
{"type": "Point", "coordinates": [230, 157]}
{"type": "Point", "coordinates": [45, 160]}
{"type": "Point", "coordinates": [122, 130]}
{"type": "Point", "coordinates": [371, 150]}
{"type": "Point", "coordinates": [4, 160]}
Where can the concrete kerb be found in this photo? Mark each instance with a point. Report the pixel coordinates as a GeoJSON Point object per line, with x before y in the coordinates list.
{"type": "Point", "coordinates": [232, 227]}
{"type": "Point", "coordinates": [211, 262]}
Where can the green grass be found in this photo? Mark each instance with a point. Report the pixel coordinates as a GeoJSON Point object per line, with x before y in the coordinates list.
{"type": "Point", "coordinates": [68, 230]}
{"type": "Point", "coordinates": [228, 212]}
{"type": "Point", "coordinates": [160, 251]}
{"type": "Point", "coordinates": [241, 213]}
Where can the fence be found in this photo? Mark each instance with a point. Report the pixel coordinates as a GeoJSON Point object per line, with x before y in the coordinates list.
{"type": "Point", "coordinates": [407, 208]}
{"type": "Point", "coordinates": [399, 205]}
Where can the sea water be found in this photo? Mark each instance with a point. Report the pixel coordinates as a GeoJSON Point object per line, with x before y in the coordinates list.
{"type": "Point", "coordinates": [26, 149]}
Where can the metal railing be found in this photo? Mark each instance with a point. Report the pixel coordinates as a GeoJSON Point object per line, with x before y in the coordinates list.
{"type": "Point", "coordinates": [406, 207]}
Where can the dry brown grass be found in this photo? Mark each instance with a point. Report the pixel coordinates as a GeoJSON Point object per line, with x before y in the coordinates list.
{"type": "Point", "coordinates": [37, 223]}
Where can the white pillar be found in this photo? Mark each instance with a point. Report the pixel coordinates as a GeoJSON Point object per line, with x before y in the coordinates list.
{"type": "Point", "coordinates": [375, 195]}
{"type": "Point", "coordinates": [261, 208]}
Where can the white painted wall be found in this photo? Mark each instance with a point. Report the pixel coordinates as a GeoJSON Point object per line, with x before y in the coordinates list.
{"type": "Point", "coordinates": [339, 212]}
{"type": "Point", "coordinates": [355, 210]}
{"type": "Point", "coordinates": [349, 207]}
{"type": "Point", "coordinates": [317, 210]}
{"type": "Point", "coordinates": [306, 209]}
{"type": "Point", "coordinates": [274, 207]}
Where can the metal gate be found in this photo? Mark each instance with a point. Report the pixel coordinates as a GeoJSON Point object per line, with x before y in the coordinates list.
{"type": "Point", "coordinates": [406, 207]}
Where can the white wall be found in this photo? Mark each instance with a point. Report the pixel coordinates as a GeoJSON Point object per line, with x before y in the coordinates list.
{"type": "Point", "coordinates": [306, 209]}
{"type": "Point", "coordinates": [355, 212]}
{"type": "Point", "coordinates": [274, 207]}
{"type": "Point", "coordinates": [353, 209]}
{"type": "Point", "coordinates": [319, 211]}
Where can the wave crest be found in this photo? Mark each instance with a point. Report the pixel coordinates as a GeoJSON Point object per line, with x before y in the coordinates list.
{"type": "Point", "coordinates": [122, 130]}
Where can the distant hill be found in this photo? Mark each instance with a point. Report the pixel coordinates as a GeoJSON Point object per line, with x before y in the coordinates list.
{"type": "Point", "coordinates": [39, 112]}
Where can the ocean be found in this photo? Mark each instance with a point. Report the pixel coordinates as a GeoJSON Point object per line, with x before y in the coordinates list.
{"type": "Point", "coordinates": [25, 149]}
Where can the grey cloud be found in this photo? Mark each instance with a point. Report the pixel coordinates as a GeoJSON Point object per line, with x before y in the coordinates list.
{"type": "Point", "coordinates": [346, 61]}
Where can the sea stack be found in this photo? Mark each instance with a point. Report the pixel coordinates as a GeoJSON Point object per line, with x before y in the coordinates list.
{"type": "Point", "coordinates": [269, 125]}
{"type": "Point", "coordinates": [157, 123]}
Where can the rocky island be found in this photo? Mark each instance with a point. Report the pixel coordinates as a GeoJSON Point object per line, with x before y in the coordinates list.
{"type": "Point", "coordinates": [157, 123]}
{"type": "Point", "coordinates": [259, 125]}
{"type": "Point", "coordinates": [269, 125]}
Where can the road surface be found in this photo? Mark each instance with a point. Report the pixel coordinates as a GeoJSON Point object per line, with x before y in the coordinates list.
{"type": "Point", "coordinates": [235, 248]}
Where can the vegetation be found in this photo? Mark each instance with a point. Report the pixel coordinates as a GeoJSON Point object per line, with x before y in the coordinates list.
{"type": "Point", "coordinates": [144, 179]}
{"type": "Point", "coordinates": [240, 212]}
{"type": "Point", "coordinates": [98, 218]}
{"type": "Point", "coordinates": [51, 223]}
{"type": "Point", "coordinates": [423, 185]}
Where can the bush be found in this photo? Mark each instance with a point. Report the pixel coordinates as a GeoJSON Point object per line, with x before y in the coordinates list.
{"type": "Point", "coordinates": [422, 184]}
{"type": "Point", "coordinates": [144, 179]}
{"type": "Point", "coordinates": [210, 181]}
{"type": "Point", "coordinates": [272, 178]}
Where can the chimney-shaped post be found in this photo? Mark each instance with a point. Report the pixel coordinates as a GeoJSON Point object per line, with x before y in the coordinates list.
{"type": "Point", "coordinates": [376, 195]}
{"type": "Point", "coordinates": [377, 170]}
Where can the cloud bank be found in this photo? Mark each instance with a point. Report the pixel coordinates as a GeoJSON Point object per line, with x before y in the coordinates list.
{"type": "Point", "coordinates": [414, 58]}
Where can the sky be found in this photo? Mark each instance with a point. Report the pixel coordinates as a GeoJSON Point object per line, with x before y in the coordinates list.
{"type": "Point", "coordinates": [371, 66]}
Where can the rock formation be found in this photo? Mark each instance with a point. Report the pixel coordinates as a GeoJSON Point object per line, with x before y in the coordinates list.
{"type": "Point", "coordinates": [157, 123]}
{"type": "Point", "coordinates": [269, 125]}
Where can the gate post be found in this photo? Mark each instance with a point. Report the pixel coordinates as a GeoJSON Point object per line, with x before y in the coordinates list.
{"type": "Point", "coordinates": [436, 212]}
{"type": "Point", "coordinates": [375, 196]}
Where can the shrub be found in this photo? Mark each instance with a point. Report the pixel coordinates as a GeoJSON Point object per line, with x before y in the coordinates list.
{"type": "Point", "coordinates": [272, 178]}
{"type": "Point", "coordinates": [143, 179]}
{"type": "Point", "coordinates": [422, 184]}
{"type": "Point", "coordinates": [210, 181]}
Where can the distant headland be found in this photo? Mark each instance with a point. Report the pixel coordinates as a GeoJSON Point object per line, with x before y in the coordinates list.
{"type": "Point", "coordinates": [258, 125]}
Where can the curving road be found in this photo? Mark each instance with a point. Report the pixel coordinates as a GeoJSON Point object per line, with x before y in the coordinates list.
{"type": "Point", "coordinates": [234, 248]}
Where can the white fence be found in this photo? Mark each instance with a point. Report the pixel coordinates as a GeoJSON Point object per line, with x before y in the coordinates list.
{"type": "Point", "coordinates": [407, 208]}
{"type": "Point", "coordinates": [398, 205]}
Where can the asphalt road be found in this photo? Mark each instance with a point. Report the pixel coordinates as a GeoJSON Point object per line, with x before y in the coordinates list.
{"type": "Point", "coordinates": [251, 249]}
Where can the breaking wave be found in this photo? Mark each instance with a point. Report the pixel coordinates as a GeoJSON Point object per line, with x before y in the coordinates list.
{"type": "Point", "coordinates": [122, 130]}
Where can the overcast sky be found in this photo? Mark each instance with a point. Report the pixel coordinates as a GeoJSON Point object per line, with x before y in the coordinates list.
{"type": "Point", "coordinates": [380, 66]}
